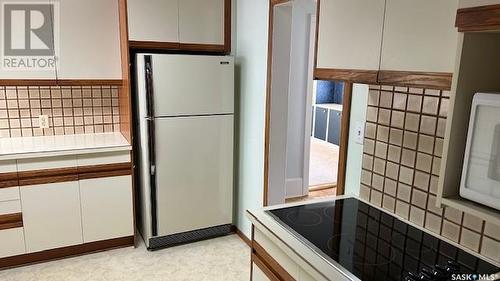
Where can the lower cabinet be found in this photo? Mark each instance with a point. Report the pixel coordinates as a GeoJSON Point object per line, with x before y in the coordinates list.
{"type": "Point", "coordinates": [258, 273]}
{"type": "Point", "coordinates": [12, 242]}
{"type": "Point", "coordinates": [107, 209]}
{"type": "Point", "coordinates": [51, 215]}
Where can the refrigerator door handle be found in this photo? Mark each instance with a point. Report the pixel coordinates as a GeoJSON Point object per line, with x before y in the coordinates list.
{"type": "Point", "coordinates": [152, 136]}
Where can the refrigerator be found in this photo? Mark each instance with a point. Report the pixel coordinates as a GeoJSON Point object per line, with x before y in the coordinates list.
{"type": "Point", "coordinates": [185, 113]}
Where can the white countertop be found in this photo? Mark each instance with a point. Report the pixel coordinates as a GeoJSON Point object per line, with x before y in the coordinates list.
{"type": "Point", "coordinates": [333, 106]}
{"type": "Point", "coordinates": [31, 147]}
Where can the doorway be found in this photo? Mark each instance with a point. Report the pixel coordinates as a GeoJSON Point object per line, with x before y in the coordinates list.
{"type": "Point", "coordinates": [306, 133]}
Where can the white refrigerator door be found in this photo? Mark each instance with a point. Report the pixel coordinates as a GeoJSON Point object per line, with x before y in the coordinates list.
{"type": "Point", "coordinates": [192, 85]}
{"type": "Point", "coordinates": [194, 172]}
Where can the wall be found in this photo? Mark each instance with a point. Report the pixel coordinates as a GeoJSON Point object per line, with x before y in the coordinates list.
{"type": "Point", "coordinates": [71, 110]}
{"type": "Point", "coordinates": [297, 95]}
{"type": "Point", "coordinates": [251, 64]}
{"type": "Point", "coordinates": [355, 150]}
{"type": "Point", "coordinates": [282, 35]}
{"type": "Point", "coordinates": [401, 165]}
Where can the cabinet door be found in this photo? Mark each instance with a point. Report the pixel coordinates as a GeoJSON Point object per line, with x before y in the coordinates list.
{"type": "Point", "coordinates": [106, 208]}
{"type": "Point", "coordinates": [335, 118]}
{"type": "Point", "coordinates": [320, 123]}
{"type": "Point", "coordinates": [12, 242]}
{"type": "Point", "coordinates": [258, 274]}
{"type": "Point", "coordinates": [89, 40]}
{"type": "Point", "coordinates": [420, 35]}
{"type": "Point", "coordinates": [51, 215]}
{"type": "Point", "coordinates": [153, 20]}
{"type": "Point", "coordinates": [350, 34]}
{"type": "Point", "coordinates": [201, 21]}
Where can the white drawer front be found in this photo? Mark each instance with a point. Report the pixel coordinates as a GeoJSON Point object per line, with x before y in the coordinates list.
{"type": "Point", "coordinates": [103, 158]}
{"type": "Point", "coordinates": [8, 166]}
{"type": "Point", "coordinates": [10, 207]}
{"type": "Point", "coordinates": [32, 164]}
{"type": "Point", "coordinates": [12, 242]}
{"type": "Point", "coordinates": [9, 194]}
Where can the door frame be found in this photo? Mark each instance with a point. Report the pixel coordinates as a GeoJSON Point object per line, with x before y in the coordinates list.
{"type": "Point", "coordinates": [346, 108]}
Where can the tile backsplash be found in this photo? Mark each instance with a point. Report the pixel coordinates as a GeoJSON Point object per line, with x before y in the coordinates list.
{"type": "Point", "coordinates": [401, 165]}
{"type": "Point", "coordinates": [71, 110]}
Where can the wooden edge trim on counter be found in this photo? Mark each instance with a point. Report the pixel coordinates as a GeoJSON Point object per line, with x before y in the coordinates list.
{"type": "Point", "coordinates": [348, 75]}
{"type": "Point", "coordinates": [270, 262]}
{"type": "Point", "coordinates": [482, 18]}
{"type": "Point", "coordinates": [262, 266]}
{"type": "Point", "coordinates": [9, 221]}
{"type": "Point", "coordinates": [344, 138]}
{"type": "Point", "coordinates": [74, 174]}
{"type": "Point", "coordinates": [434, 80]}
{"type": "Point", "coordinates": [60, 82]}
{"type": "Point", "coordinates": [64, 252]}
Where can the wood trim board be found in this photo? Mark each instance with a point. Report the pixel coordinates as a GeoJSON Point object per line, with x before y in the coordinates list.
{"type": "Point", "coordinates": [482, 18]}
{"type": "Point", "coordinates": [344, 138]}
{"type": "Point", "coordinates": [9, 180]}
{"type": "Point", "coordinates": [347, 75]}
{"type": "Point", "coordinates": [262, 266]}
{"type": "Point", "coordinates": [9, 221]}
{"type": "Point", "coordinates": [263, 256]}
{"type": "Point", "coordinates": [227, 26]}
{"type": "Point", "coordinates": [64, 252]}
{"type": "Point", "coordinates": [429, 80]}
{"type": "Point", "coordinates": [73, 174]}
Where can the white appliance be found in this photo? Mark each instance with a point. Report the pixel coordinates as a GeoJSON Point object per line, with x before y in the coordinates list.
{"type": "Point", "coordinates": [481, 171]}
{"type": "Point", "coordinates": [185, 117]}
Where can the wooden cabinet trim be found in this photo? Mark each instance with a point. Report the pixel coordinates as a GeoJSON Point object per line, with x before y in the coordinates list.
{"type": "Point", "coordinates": [58, 253]}
{"type": "Point", "coordinates": [8, 180]}
{"type": "Point", "coordinates": [227, 26]}
{"type": "Point", "coordinates": [11, 221]}
{"type": "Point", "coordinates": [262, 266]}
{"type": "Point", "coordinates": [433, 80]}
{"type": "Point", "coordinates": [72, 174]}
{"type": "Point", "coordinates": [270, 262]}
{"type": "Point", "coordinates": [154, 45]}
{"type": "Point", "coordinates": [482, 18]}
{"type": "Point", "coordinates": [348, 75]}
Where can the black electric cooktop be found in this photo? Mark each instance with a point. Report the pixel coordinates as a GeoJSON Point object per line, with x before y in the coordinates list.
{"type": "Point", "coordinates": [373, 245]}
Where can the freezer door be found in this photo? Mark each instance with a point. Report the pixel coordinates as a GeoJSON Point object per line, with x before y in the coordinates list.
{"type": "Point", "coordinates": [194, 172]}
{"type": "Point", "coordinates": [192, 85]}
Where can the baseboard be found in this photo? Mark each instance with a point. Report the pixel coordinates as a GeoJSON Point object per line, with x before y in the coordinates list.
{"type": "Point", "coordinates": [242, 236]}
{"type": "Point", "coordinates": [65, 252]}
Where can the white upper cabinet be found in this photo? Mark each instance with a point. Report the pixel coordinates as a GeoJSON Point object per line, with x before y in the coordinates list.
{"type": "Point", "coordinates": [420, 35]}
{"type": "Point", "coordinates": [153, 20]}
{"type": "Point", "coordinates": [201, 21]}
{"type": "Point", "coordinates": [350, 34]}
{"type": "Point", "coordinates": [89, 40]}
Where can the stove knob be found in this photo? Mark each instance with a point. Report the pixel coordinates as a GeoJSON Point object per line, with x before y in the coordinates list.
{"type": "Point", "coordinates": [440, 273]}
{"type": "Point", "coordinates": [452, 267]}
{"type": "Point", "coordinates": [411, 277]}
